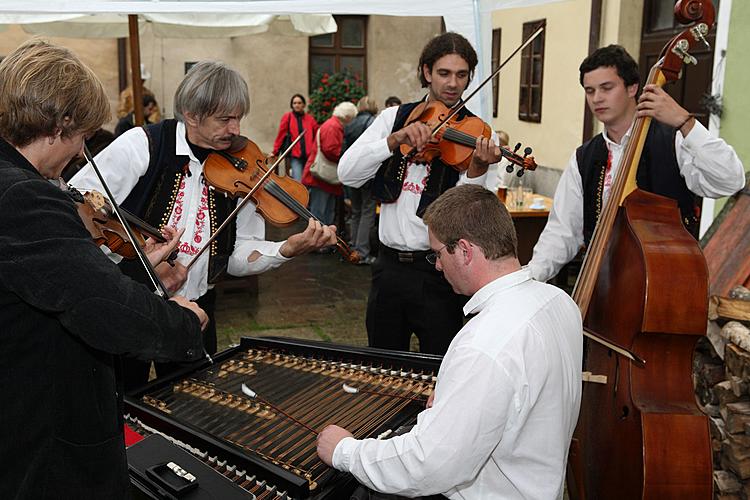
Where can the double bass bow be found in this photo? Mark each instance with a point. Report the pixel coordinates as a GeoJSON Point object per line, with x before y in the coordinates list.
{"type": "Point", "coordinates": [643, 295]}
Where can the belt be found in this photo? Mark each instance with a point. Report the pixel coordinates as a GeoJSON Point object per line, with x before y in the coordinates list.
{"type": "Point", "coordinates": [407, 257]}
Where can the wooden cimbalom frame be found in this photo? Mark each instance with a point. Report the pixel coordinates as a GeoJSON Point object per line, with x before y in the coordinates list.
{"type": "Point", "coordinates": [265, 442]}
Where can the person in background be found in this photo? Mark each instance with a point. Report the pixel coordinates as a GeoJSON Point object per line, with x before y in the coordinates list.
{"type": "Point", "coordinates": [292, 124]}
{"type": "Point", "coordinates": [363, 204]}
{"type": "Point", "coordinates": [508, 392]}
{"type": "Point", "coordinates": [128, 121]}
{"type": "Point", "coordinates": [126, 106]}
{"type": "Point", "coordinates": [66, 310]}
{"type": "Point", "coordinates": [323, 195]}
{"type": "Point", "coordinates": [502, 137]}
{"type": "Point", "coordinates": [392, 101]}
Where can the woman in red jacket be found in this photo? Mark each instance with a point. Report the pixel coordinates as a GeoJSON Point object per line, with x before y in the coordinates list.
{"type": "Point", "coordinates": [292, 123]}
{"type": "Point", "coordinates": [323, 195]}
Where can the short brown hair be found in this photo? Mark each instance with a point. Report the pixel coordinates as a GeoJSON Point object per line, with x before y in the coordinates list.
{"type": "Point", "coordinates": [475, 214]}
{"type": "Point", "coordinates": [45, 89]}
{"type": "Point", "coordinates": [442, 45]}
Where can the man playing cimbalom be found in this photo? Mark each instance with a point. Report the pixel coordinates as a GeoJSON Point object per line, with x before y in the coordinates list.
{"type": "Point", "coordinates": [508, 391]}
{"type": "Point", "coordinates": [680, 159]}
{"type": "Point", "coordinates": [407, 295]}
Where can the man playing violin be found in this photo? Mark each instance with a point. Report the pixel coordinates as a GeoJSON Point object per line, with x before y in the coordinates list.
{"type": "Point", "coordinates": [507, 397]}
{"type": "Point", "coordinates": [407, 294]}
{"type": "Point", "coordinates": [156, 172]}
{"type": "Point", "coordinates": [680, 160]}
{"type": "Point", "coordinates": [66, 310]}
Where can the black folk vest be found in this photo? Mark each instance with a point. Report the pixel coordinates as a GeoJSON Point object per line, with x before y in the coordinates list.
{"type": "Point", "coordinates": [658, 172]}
{"type": "Point", "coordinates": [389, 178]}
{"type": "Point", "coordinates": [153, 197]}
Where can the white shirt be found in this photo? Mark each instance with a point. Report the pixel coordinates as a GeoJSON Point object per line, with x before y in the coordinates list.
{"type": "Point", "coordinates": [123, 163]}
{"type": "Point", "coordinates": [400, 227]}
{"type": "Point", "coordinates": [506, 403]}
{"type": "Point", "coordinates": [709, 165]}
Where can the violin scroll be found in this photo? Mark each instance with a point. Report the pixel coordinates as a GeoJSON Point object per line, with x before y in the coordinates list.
{"type": "Point", "coordinates": [525, 162]}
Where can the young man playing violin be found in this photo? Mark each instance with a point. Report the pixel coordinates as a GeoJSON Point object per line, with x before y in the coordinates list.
{"type": "Point", "coordinates": [66, 310]}
{"type": "Point", "coordinates": [680, 159]}
{"type": "Point", "coordinates": [408, 295]}
{"type": "Point", "coordinates": [507, 397]}
{"type": "Point", "coordinates": [156, 172]}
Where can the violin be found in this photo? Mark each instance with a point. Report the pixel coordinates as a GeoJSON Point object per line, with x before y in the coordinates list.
{"type": "Point", "coordinates": [96, 214]}
{"type": "Point", "coordinates": [454, 140]}
{"type": "Point", "coordinates": [281, 200]}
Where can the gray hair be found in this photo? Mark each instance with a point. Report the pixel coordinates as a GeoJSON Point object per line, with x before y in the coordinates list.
{"type": "Point", "coordinates": [345, 111]}
{"type": "Point", "coordinates": [209, 88]}
{"type": "Point", "coordinates": [367, 103]}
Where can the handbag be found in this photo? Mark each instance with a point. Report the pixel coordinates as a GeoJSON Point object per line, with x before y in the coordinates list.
{"type": "Point", "coordinates": [322, 168]}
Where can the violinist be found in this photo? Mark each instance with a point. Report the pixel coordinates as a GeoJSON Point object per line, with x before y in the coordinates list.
{"type": "Point", "coordinates": [156, 172]}
{"type": "Point", "coordinates": [407, 294]}
{"type": "Point", "coordinates": [680, 160]}
{"type": "Point", "coordinates": [66, 310]}
{"type": "Point", "coordinates": [509, 388]}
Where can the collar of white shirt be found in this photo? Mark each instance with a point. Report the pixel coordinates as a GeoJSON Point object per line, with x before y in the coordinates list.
{"type": "Point", "coordinates": [182, 148]}
{"type": "Point", "coordinates": [478, 300]}
{"type": "Point", "coordinates": [610, 143]}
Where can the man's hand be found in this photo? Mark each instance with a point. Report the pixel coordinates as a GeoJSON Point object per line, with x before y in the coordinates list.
{"type": "Point", "coordinates": [430, 400]}
{"type": "Point", "coordinates": [314, 237]}
{"type": "Point", "coordinates": [202, 316]}
{"type": "Point", "coordinates": [659, 105]}
{"type": "Point", "coordinates": [486, 152]}
{"type": "Point", "coordinates": [416, 134]}
{"type": "Point", "coordinates": [172, 276]}
{"type": "Point", "coordinates": [158, 252]}
{"type": "Point", "coordinates": [327, 441]}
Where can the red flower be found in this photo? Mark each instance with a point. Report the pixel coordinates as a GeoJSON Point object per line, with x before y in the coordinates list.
{"type": "Point", "coordinates": [346, 81]}
{"type": "Point", "coordinates": [333, 99]}
{"type": "Point", "coordinates": [320, 89]}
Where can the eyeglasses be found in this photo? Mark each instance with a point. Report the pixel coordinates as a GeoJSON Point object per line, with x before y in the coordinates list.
{"type": "Point", "coordinates": [433, 257]}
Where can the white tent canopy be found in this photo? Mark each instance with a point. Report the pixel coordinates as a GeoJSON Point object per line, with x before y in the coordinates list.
{"type": "Point", "coordinates": [471, 18]}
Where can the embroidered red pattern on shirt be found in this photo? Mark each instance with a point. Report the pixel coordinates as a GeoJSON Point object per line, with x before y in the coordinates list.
{"type": "Point", "coordinates": [415, 188]}
{"type": "Point", "coordinates": [201, 217]}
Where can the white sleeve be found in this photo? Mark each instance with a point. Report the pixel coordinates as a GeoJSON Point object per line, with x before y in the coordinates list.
{"type": "Point", "coordinates": [436, 455]}
{"type": "Point", "coordinates": [251, 231]}
{"type": "Point", "coordinates": [562, 236]}
{"type": "Point", "coordinates": [121, 163]}
{"type": "Point", "coordinates": [362, 159]}
{"type": "Point", "coordinates": [710, 166]}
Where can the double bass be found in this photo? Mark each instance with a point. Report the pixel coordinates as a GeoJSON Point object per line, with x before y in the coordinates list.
{"type": "Point", "coordinates": [643, 294]}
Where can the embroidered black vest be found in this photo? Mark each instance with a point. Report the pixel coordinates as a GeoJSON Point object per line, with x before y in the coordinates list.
{"type": "Point", "coordinates": [153, 197]}
{"type": "Point", "coordinates": [658, 172]}
{"type": "Point", "coordinates": [389, 178]}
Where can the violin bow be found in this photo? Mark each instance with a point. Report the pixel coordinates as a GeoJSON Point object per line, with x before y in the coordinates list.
{"type": "Point", "coordinates": [245, 200]}
{"type": "Point", "coordinates": [462, 103]}
{"type": "Point", "coordinates": [159, 287]}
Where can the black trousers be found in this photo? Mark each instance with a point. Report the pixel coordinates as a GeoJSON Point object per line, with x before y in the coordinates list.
{"type": "Point", "coordinates": [409, 295]}
{"type": "Point", "coordinates": [135, 372]}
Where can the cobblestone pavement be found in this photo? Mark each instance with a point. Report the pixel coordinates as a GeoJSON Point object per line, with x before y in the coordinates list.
{"type": "Point", "coordinates": [315, 296]}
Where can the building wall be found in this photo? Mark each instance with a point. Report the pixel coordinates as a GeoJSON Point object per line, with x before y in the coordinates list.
{"type": "Point", "coordinates": [101, 57]}
{"type": "Point", "coordinates": [274, 66]}
{"type": "Point", "coordinates": [736, 112]}
{"type": "Point", "coordinates": [566, 44]}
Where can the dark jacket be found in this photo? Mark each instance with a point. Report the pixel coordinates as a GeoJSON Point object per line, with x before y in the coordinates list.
{"type": "Point", "coordinates": [66, 311]}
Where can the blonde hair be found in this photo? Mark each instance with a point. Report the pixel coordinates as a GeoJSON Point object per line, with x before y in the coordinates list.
{"type": "Point", "coordinates": [367, 103]}
{"type": "Point", "coordinates": [46, 89]}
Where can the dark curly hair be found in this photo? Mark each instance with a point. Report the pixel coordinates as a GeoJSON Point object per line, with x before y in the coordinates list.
{"type": "Point", "coordinates": [442, 45]}
{"type": "Point", "coordinates": [613, 56]}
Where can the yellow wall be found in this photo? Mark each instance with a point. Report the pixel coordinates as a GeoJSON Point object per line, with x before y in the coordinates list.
{"type": "Point", "coordinates": [566, 44]}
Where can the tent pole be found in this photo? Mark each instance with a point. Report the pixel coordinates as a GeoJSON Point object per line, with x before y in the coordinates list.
{"type": "Point", "coordinates": [135, 69]}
